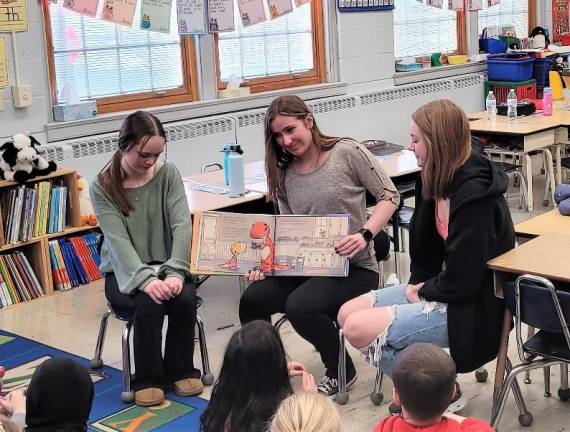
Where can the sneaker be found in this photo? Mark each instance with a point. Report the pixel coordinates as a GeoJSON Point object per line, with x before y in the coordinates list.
{"type": "Point", "coordinates": [149, 397]}
{"type": "Point", "coordinates": [188, 387]}
{"type": "Point", "coordinates": [458, 402]}
{"type": "Point", "coordinates": [329, 386]}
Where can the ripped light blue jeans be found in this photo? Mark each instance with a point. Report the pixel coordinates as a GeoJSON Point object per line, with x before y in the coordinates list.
{"type": "Point", "coordinates": [411, 322]}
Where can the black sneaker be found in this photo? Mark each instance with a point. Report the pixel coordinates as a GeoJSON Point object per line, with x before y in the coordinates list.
{"type": "Point", "coordinates": [458, 402]}
{"type": "Point", "coordinates": [329, 386]}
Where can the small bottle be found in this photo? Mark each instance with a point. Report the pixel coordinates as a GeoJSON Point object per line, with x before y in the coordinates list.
{"type": "Point", "coordinates": [491, 105]}
{"type": "Point", "coordinates": [547, 102]}
{"type": "Point", "coordinates": [236, 176]}
{"type": "Point", "coordinates": [512, 106]}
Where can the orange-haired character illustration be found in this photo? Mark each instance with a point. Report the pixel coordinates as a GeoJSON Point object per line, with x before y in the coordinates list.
{"type": "Point", "coordinates": [236, 248]}
{"type": "Point", "coordinates": [260, 232]}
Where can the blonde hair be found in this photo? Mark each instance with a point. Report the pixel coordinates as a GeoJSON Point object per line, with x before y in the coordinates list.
{"type": "Point", "coordinates": [446, 133]}
{"type": "Point", "coordinates": [306, 412]}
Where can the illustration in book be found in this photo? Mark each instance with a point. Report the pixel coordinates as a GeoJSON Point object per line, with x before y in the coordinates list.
{"type": "Point", "coordinates": [233, 243]}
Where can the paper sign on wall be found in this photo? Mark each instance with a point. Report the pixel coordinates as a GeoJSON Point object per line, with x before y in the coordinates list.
{"type": "Point", "coordinates": [560, 18]}
{"type": "Point", "coordinates": [119, 11]}
{"type": "Point", "coordinates": [191, 17]}
{"type": "Point", "coordinates": [435, 3]}
{"type": "Point", "coordinates": [13, 15]}
{"type": "Point", "coordinates": [251, 12]}
{"type": "Point", "coordinates": [83, 7]}
{"type": "Point", "coordinates": [474, 5]}
{"type": "Point", "coordinates": [279, 8]}
{"type": "Point", "coordinates": [155, 15]}
{"type": "Point", "coordinates": [493, 2]}
{"type": "Point", "coordinates": [220, 16]}
{"type": "Point", "coordinates": [456, 5]}
{"type": "Point", "coordinates": [3, 63]}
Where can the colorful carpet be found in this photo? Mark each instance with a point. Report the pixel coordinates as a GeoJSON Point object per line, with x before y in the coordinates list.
{"type": "Point", "coordinates": [21, 356]}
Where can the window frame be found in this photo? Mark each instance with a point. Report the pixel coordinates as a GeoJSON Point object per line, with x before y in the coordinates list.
{"type": "Point", "coordinates": [186, 93]}
{"type": "Point", "coordinates": [531, 16]}
{"type": "Point", "coordinates": [277, 82]}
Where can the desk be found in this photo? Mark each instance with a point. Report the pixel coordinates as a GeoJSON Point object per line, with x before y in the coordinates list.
{"type": "Point", "coordinates": [547, 256]}
{"type": "Point", "coordinates": [549, 223]}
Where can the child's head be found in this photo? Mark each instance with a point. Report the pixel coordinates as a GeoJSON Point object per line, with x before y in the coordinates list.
{"type": "Point", "coordinates": [306, 412]}
{"type": "Point", "coordinates": [424, 380]}
{"type": "Point", "coordinates": [252, 382]}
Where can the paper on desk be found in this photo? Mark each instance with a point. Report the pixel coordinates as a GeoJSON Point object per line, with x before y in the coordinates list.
{"type": "Point", "coordinates": [261, 177]}
{"type": "Point", "coordinates": [207, 187]}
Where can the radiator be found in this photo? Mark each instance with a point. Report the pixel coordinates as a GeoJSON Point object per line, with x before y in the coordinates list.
{"type": "Point", "coordinates": [383, 114]}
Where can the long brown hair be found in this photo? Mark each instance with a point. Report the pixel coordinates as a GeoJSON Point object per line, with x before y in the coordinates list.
{"type": "Point", "coordinates": [276, 159]}
{"type": "Point", "coordinates": [446, 133]}
{"type": "Point", "coordinates": [137, 128]}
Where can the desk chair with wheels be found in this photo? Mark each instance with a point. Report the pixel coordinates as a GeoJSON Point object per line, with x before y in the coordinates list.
{"type": "Point", "coordinates": [128, 394]}
{"type": "Point", "coordinates": [535, 301]}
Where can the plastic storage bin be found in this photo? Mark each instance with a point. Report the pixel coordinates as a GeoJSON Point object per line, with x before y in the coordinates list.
{"type": "Point", "coordinates": [492, 46]}
{"type": "Point", "coordinates": [509, 68]}
{"type": "Point", "coordinates": [541, 68]}
{"type": "Point", "coordinates": [524, 89]}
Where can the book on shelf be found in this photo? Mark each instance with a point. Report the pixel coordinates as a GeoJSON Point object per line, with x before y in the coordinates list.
{"type": "Point", "coordinates": [278, 245]}
{"type": "Point", "coordinates": [72, 262]}
{"type": "Point", "coordinates": [18, 281]}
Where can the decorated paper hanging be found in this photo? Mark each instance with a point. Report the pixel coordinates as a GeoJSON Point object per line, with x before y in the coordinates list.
{"type": "Point", "coordinates": [13, 15]}
{"type": "Point", "coordinates": [493, 2]}
{"type": "Point", "coordinates": [251, 12]}
{"type": "Point", "coordinates": [279, 8]}
{"type": "Point", "coordinates": [220, 16]}
{"type": "Point", "coordinates": [83, 7]}
{"type": "Point", "coordinates": [155, 15]}
{"type": "Point", "coordinates": [299, 3]}
{"type": "Point", "coordinates": [435, 3]}
{"type": "Point", "coordinates": [456, 5]}
{"type": "Point", "coordinates": [560, 22]}
{"type": "Point", "coordinates": [119, 11]}
{"type": "Point", "coordinates": [474, 5]}
{"type": "Point", "coordinates": [3, 63]}
{"type": "Point", "coordinates": [191, 17]}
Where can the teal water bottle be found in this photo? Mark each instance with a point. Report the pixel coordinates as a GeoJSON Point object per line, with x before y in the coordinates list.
{"type": "Point", "coordinates": [236, 176]}
{"type": "Point", "coordinates": [226, 151]}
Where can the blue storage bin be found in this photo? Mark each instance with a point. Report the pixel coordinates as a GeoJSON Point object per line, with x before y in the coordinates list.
{"type": "Point", "coordinates": [492, 46]}
{"type": "Point", "coordinates": [541, 68]}
{"type": "Point", "coordinates": [505, 68]}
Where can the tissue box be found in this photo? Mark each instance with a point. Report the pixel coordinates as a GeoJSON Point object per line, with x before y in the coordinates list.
{"type": "Point", "coordinates": [231, 93]}
{"type": "Point", "coordinates": [82, 110]}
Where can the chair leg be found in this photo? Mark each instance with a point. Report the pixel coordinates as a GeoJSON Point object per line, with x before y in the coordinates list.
{"type": "Point", "coordinates": [342, 396]}
{"type": "Point", "coordinates": [207, 376]}
{"type": "Point", "coordinates": [127, 395]}
{"type": "Point", "coordinates": [377, 396]}
{"type": "Point", "coordinates": [563, 391]}
{"type": "Point", "coordinates": [97, 361]}
{"type": "Point", "coordinates": [529, 334]}
{"type": "Point", "coordinates": [546, 372]}
{"type": "Point", "coordinates": [525, 417]}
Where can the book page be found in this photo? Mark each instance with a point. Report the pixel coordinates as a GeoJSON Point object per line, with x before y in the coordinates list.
{"type": "Point", "coordinates": [233, 243]}
{"type": "Point", "coordinates": [304, 245]}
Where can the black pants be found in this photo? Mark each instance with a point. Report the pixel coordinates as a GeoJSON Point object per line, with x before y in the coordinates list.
{"type": "Point", "coordinates": [311, 305]}
{"type": "Point", "coordinates": [150, 368]}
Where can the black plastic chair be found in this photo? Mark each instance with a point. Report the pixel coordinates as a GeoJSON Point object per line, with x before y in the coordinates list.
{"type": "Point", "coordinates": [535, 301]}
{"type": "Point", "coordinates": [127, 395]}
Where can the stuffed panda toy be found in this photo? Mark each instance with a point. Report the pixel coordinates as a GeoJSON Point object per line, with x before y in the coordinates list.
{"type": "Point", "coordinates": [20, 160]}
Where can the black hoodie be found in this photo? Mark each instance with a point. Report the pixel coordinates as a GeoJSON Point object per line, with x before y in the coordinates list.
{"type": "Point", "coordinates": [455, 270]}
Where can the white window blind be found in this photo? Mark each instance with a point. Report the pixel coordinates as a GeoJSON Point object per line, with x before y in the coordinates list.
{"type": "Point", "coordinates": [102, 59]}
{"type": "Point", "coordinates": [421, 29]}
{"type": "Point", "coordinates": [507, 12]}
{"type": "Point", "coordinates": [274, 47]}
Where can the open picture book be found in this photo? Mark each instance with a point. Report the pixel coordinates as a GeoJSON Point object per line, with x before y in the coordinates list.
{"type": "Point", "coordinates": [278, 245]}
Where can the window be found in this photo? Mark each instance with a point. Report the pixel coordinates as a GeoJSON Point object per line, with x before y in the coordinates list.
{"type": "Point", "coordinates": [514, 12]}
{"type": "Point", "coordinates": [121, 67]}
{"type": "Point", "coordinates": [421, 30]}
{"type": "Point", "coordinates": [280, 53]}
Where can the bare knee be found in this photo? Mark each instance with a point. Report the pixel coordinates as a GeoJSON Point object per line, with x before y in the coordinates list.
{"type": "Point", "coordinates": [343, 313]}
{"type": "Point", "coordinates": [355, 332]}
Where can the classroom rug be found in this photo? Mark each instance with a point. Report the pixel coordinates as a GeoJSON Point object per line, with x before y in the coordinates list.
{"type": "Point", "coordinates": [20, 356]}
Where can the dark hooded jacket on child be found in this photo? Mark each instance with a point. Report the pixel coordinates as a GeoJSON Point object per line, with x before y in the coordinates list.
{"type": "Point", "coordinates": [455, 270]}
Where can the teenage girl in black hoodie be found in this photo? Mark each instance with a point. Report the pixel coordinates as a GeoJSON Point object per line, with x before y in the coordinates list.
{"type": "Point", "coordinates": [460, 222]}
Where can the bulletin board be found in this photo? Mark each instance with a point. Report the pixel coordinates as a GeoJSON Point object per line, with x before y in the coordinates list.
{"type": "Point", "coordinates": [364, 5]}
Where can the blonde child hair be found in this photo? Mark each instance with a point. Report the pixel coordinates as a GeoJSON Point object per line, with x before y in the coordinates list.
{"type": "Point", "coordinates": [306, 412]}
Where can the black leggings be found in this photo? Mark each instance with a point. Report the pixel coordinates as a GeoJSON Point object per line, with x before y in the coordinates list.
{"type": "Point", "coordinates": [311, 305]}
{"type": "Point", "coordinates": [150, 368]}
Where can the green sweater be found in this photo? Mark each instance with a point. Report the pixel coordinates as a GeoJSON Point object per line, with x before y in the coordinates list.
{"type": "Point", "coordinates": [158, 230]}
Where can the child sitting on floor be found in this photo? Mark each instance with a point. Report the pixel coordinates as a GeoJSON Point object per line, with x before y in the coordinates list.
{"type": "Point", "coordinates": [306, 412]}
{"type": "Point", "coordinates": [424, 384]}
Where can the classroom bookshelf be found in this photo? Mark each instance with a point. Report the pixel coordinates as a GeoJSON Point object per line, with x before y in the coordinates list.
{"type": "Point", "coordinates": [30, 252]}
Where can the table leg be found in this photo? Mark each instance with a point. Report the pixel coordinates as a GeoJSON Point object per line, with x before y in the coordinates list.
{"type": "Point", "coordinates": [557, 152]}
{"type": "Point", "coordinates": [501, 360]}
{"type": "Point", "coordinates": [529, 195]}
{"type": "Point", "coordinates": [552, 177]}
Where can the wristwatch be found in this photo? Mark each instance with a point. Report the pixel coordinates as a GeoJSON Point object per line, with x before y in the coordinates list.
{"type": "Point", "coordinates": [366, 234]}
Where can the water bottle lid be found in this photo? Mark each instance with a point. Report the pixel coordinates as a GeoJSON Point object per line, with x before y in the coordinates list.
{"type": "Point", "coordinates": [490, 92]}
{"type": "Point", "coordinates": [547, 90]}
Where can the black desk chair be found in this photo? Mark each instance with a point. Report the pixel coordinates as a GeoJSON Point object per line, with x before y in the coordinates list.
{"type": "Point", "coordinates": [128, 395]}
{"type": "Point", "coordinates": [535, 301]}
